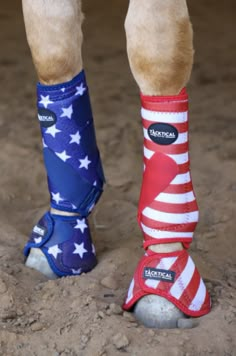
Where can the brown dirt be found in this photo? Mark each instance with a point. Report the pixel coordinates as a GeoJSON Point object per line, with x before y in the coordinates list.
{"type": "Point", "coordinates": [74, 316]}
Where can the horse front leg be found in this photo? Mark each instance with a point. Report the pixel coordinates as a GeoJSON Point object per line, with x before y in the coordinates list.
{"type": "Point", "coordinates": [60, 243]}
{"type": "Point", "coordinates": [166, 285]}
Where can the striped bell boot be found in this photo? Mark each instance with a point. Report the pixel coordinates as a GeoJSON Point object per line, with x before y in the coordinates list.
{"type": "Point", "coordinates": [168, 210]}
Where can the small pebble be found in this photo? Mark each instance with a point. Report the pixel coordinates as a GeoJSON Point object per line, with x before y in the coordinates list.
{"type": "Point", "coordinates": [101, 314]}
{"type": "Point", "coordinates": [109, 282]}
{"type": "Point", "coordinates": [115, 309]}
{"type": "Point", "coordinates": [37, 326]}
{"type": "Point", "coordinates": [120, 341]}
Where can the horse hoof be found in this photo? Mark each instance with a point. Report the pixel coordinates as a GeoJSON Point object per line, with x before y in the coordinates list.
{"type": "Point", "coordinates": [157, 312]}
{"type": "Point", "coordinates": [38, 261]}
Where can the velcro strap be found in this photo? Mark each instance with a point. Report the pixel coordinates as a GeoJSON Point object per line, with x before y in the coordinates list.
{"type": "Point", "coordinates": [160, 171]}
{"type": "Point", "coordinates": [71, 185]}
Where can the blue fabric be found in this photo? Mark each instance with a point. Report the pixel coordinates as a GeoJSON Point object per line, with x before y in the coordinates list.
{"type": "Point", "coordinates": [66, 243]}
{"type": "Point", "coordinates": [72, 160]}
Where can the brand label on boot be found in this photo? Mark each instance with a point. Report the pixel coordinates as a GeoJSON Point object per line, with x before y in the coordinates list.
{"type": "Point", "coordinates": [162, 134]}
{"type": "Point", "coordinates": [39, 230]}
{"type": "Point", "coordinates": [46, 117]}
{"type": "Point", "coordinates": [158, 274]}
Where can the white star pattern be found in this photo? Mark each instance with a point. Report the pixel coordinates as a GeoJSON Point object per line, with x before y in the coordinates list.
{"type": "Point", "coordinates": [84, 162]}
{"type": "Point", "coordinates": [93, 249]}
{"type": "Point", "coordinates": [75, 138]}
{"type": "Point", "coordinates": [37, 240]}
{"type": "Point", "coordinates": [63, 89]}
{"type": "Point", "coordinates": [81, 225]}
{"type": "Point", "coordinates": [73, 206]}
{"type": "Point", "coordinates": [79, 249]}
{"type": "Point", "coordinates": [54, 250]}
{"type": "Point", "coordinates": [77, 271]}
{"type": "Point", "coordinates": [95, 183]}
{"type": "Point", "coordinates": [45, 100]}
{"type": "Point", "coordinates": [52, 130]}
{"type": "Point", "coordinates": [67, 112]}
{"type": "Point", "coordinates": [57, 198]}
{"type": "Point", "coordinates": [63, 156]}
{"type": "Point", "coordinates": [80, 90]}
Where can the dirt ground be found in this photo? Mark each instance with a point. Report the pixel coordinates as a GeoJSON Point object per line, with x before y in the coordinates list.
{"type": "Point", "coordinates": [77, 315]}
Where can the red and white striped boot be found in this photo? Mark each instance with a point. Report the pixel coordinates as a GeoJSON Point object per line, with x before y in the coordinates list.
{"type": "Point", "coordinates": [168, 212]}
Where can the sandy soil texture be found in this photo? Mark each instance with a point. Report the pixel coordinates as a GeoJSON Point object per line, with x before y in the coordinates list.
{"type": "Point", "coordinates": [81, 316]}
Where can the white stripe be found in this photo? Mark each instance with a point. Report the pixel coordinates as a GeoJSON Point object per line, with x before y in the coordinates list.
{"type": "Point", "coordinates": [182, 137]}
{"type": "Point", "coordinates": [199, 298]}
{"type": "Point", "coordinates": [181, 178]}
{"type": "Point", "coordinates": [170, 217]}
{"type": "Point", "coordinates": [181, 283]}
{"type": "Point", "coordinates": [180, 158]}
{"type": "Point", "coordinates": [176, 198]}
{"type": "Point", "coordinates": [147, 153]}
{"type": "Point", "coordinates": [167, 117]}
{"type": "Point", "coordinates": [166, 264]}
{"type": "Point", "coordinates": [130, 291]}
{"type": "Point", "coordinates": [159, 234]}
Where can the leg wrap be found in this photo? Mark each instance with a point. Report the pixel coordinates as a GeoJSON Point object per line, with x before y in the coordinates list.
{"type": "Point", "coordinates": [167, 210]}
{"type": "Point", "coordinates": [74, 171]}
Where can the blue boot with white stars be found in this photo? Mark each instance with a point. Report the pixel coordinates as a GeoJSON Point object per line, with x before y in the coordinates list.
{"type": "Point", "coordinates": [75, 180]}
{"type": "Point", "coordinates": [65, 243]}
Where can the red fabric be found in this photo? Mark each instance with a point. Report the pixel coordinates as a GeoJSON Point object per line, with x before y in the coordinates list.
{"type": "Point", "coordinates": [156, 183]}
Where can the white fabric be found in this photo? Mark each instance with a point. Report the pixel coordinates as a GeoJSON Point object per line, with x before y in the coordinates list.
{"type": "Point", "coordinates": [171, 218]}
{"type": "Point", "coordinates": [176, 198]}
{"type": "Point", "coordinates": [166, 117]}
{"type": "Point", "coordinates": [159, 234]}
{"type": "Point", "coordinates": [199, 298]}
{"type": "Point", "coordinates": [130, 291]}
{"type": "Point", "coordinates": [183, 280]}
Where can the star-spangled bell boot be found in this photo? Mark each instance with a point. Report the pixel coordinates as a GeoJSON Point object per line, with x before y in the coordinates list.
{"type": "Point", "coordinates": [167, 213]}
{"type": "Point", "coordinates": [75, 180]}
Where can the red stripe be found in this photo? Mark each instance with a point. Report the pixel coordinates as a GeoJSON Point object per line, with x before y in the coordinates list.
{"type": "Point", "coordinates": [178, 106]}
{"type": "Point", "coordinates": [153, 224]}
{"type": "Point", "coordinates": [165, 98]}
{"type": "Point", "coordinates": [181, 127]}
{"type": "Point", "coordinates": [168, 149]}
{"type": "Point", "coordinates": [184, 168]}
{"type": "Point", "coordinates": [179, 188]}
{"type": "Point", "coordinates": [178, 268]}
{"type": "Point", "coordinates": [174, 208]}
{"type": "Point", "coordinates": [191, 289]}
{"type": "Point", "coordinates": [186, 241]}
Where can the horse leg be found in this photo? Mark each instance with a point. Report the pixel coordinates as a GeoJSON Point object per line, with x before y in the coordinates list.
{"type": "Point", "coordinates": [60, 243]}
{"type": "Point", "coordinates": [166, 285]}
